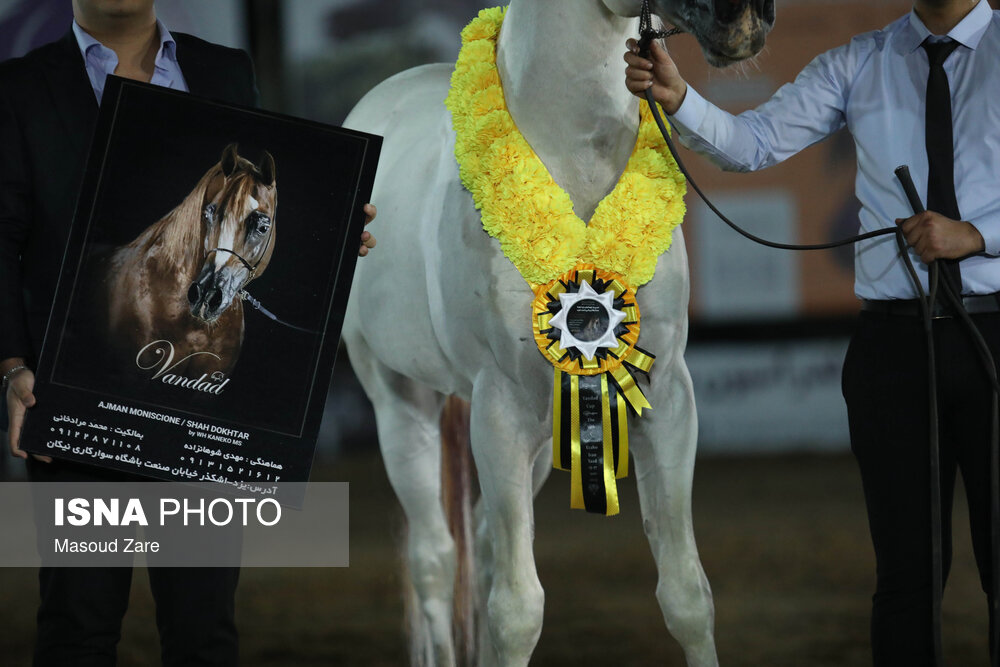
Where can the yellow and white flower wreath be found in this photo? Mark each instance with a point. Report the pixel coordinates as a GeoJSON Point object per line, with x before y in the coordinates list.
{"type": "Point", "coordinates": [523, 207]}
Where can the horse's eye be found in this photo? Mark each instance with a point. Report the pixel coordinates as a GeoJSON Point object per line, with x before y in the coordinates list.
{"type": "Point", "coordinates": [259, 223]}
{"type": "Point", "coordinates": [210, 213]}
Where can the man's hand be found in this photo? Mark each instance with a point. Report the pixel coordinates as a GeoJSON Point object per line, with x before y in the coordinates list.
{"type": "Point", "coordinates": [659, 74]}
{"type": "Point", "coordinates": [367, 240]}
{"type": "Point", "coordinates": [19, 399]}
{"type": "Point", "coordinates": [934, 236]}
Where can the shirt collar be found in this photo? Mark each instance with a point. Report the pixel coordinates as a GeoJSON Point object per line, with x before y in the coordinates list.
{"type": "Point", "coordinates": [968, 32]}
{"type": "Point", "coordinates": [168, 47]}
{"type": "Point", "coordinates": [167, 50]}
{"type": "Point", "coordinates": [86, 41]}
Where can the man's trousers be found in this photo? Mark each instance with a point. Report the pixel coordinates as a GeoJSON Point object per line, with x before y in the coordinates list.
{"type": "Point", "coordinates": [885, 385]}
{"type": "Point", "coordinates": [81, 609]}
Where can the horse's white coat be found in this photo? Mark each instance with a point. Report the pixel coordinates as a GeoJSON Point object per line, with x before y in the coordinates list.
{"type": "Point", "coordinates": [439, 310]}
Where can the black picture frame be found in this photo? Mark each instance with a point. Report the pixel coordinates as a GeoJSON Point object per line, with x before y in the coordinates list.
{"type": "Point", "coordinates": [152, 149]}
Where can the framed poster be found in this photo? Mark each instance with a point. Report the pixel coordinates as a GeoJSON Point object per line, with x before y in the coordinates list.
{"type": "Point", "coordinates": [198, 313]}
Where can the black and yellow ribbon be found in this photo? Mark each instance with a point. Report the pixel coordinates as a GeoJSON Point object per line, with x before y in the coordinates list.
{"type": "Point", "coordinates": [592, 398]}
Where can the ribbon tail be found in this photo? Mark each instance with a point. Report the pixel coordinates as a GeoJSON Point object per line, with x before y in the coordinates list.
{"type": "Point", "coordinates": [560, 422]}
{"type": "Point", "coordinates": [610, 450]}
{"type": "Point", "coordinates": [619, 430]}
{"type": "Point", "coordinates": [640, 359]}
{"type": "Point", "coordinates": [576, 500]}
{"type": "Point", "coordinates": [590, 434]}
{"type": "Point", "coordinates": [630, 390]}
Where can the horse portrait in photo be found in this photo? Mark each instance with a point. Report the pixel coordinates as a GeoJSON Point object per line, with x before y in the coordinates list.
{"type": "Point", "coordinates": [526, 195]}
{"type": "Point", "coordinates": [173, 297]}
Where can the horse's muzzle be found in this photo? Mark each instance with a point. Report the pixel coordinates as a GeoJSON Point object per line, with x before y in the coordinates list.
{"type": "Point", "coordinates": [194, 294]}
{"type": "Point", "coordinates": [205, 304]}
{"type": "Point", "coordinates": [765, 10]}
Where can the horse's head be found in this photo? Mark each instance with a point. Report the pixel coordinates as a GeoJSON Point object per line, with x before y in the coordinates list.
{"type": "Point", "coordinates": [727, 30]}
{"type": "Point", "coordinates": [238, 214]}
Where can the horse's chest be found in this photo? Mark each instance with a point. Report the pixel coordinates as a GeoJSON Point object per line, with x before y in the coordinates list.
{"type": "Point", "coordinates": [480, 305]}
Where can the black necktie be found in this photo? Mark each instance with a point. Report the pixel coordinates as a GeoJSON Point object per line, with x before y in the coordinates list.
{"type": "Point", "coordinates": [940, 144]}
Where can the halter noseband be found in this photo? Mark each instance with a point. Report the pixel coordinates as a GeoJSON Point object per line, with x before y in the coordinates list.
{"type": "Point", "coordinates": [252, 269]}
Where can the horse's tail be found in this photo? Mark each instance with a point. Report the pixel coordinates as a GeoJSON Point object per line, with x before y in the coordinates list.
{"type": "Point", "coordinates": [458, 486]}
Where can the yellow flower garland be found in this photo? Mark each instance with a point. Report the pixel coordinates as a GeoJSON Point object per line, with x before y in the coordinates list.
{"type": "Point", "coordinates": [526, 210]}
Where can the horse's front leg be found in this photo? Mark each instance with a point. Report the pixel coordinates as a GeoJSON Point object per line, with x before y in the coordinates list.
{"type": "Point", "coordinates": [663, 448]}
{"type": "Point", "coordinates": [506, 440]}
{"type": "Point", "coordinates": [484, 553]}
{"type": "Point", "coordinates": [407, 416]}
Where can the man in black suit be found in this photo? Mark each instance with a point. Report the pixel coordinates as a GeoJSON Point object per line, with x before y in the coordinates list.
{"type": "Point", "coordinates": [48, 109]}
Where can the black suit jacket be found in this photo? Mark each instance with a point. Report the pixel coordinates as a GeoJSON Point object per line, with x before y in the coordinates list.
{"type": "Point", "coordinates": [47, 115]}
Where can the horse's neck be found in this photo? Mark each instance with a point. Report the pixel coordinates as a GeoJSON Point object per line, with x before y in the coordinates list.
{"type": "Point", "coordinates": [563, 77]}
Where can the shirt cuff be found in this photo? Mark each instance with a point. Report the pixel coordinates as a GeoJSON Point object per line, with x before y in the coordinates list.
{"type": "Point", "coordinates": [691, 112]}
{"type": "Point", "coordinates": [990, 234]}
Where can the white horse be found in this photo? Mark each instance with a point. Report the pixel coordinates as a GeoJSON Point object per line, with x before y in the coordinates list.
{"type": "Point", "coordinates": [438, 305]}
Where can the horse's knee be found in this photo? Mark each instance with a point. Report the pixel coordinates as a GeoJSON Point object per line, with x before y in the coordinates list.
{"type": "Point", "coordinates": [686, 602]}
{"type": "Point", "coordinates": [432, 569]}
{"type": "Point", "coordinates": [515, 609]}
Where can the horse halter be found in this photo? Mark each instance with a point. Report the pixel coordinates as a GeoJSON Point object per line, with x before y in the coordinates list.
{"type": "Point", "coordinates": [646, 31]}
{"type": "Point", "coordinates": [252, 269]}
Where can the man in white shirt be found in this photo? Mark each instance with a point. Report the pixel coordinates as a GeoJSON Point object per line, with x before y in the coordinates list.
{"type": "Point", "coordinates": [920, 92]}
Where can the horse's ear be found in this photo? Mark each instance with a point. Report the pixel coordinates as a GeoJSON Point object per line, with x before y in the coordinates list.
{"type": "Point", "coordinates": [230, 157]}
{"type": "Point", "coordinates": [266, 169]}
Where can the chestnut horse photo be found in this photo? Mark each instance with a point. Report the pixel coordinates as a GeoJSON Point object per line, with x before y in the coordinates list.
{"type": "Point", "coordinates": [173, 296]}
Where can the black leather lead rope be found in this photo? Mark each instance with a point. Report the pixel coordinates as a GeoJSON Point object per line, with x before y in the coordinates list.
{"type": "Point", "coordinates": [245, 296]}
{"type": "Point", "coordinates": [646, 36]}
{"type": "Point", "coordinates": [934, 460]}
{"type": "Point", "coordinates": [951, 295]}
{"type": "Point", "coordinates": [756, 239]}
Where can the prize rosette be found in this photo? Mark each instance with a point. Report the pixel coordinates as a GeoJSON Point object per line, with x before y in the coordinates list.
{"type": "Point", "coordinates": [586, 324]}
{"type": "Point", "coordinates": [586, 321]}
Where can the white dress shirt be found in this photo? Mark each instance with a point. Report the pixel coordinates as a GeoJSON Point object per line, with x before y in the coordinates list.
{"type": "Point", "coordinates": [876, 85]}
{"type": "Point", "coordinates": [102, 61]}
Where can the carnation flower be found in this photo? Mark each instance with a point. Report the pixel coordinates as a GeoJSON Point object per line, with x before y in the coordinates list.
{"type": "Point", "coordinates": [523, 207]}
